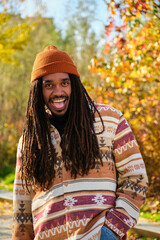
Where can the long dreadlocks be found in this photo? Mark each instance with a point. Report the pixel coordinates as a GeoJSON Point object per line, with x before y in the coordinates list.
{"type": "Point", "coordinates": [80, 150]}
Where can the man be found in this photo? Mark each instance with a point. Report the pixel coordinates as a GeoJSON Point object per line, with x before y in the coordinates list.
{"type": "Point", "coordinates": [79, 172]}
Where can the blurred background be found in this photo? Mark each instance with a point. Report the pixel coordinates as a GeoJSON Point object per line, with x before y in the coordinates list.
{"type": "Point", "coordinates": [116, 47]}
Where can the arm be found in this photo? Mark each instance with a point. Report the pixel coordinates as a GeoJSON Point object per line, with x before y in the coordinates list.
{"type": "Point", "coordinates": [22, 216]}
{"type": "Point", "coordinates": [132, 181]}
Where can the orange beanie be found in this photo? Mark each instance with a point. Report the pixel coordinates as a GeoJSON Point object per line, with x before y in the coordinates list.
{"type": "Point", "coordinates": [52, 60]}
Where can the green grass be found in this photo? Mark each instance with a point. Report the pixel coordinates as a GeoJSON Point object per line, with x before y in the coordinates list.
{"type": "Point", "coordinates": [6, 182]}
{"type": "Point", "coordinates": [7, 173]}
{"type": "Point", "coordinates": [151, 216]}
{"type": "Point", "coordinates": [8, 187]}
{"type": "Point", "coordinates": [6, 170]}
{"type": "Point", "coordinates": [9, 179]}
{"type": "Point", "coordinates": [151, 209]}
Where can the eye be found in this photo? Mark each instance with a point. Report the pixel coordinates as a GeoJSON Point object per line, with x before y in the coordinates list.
{"type": "Point", "coordinates": [66, 83]}
{"type": "Point", "coordinates": [48, 85]}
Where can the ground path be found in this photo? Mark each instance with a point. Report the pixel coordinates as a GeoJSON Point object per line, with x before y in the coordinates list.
{"type": "Point", "coordinates": [5, 227]}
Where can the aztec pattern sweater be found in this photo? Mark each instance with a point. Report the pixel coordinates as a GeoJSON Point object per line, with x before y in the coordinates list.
{"type": "Point", "coordinates": [76, 209]}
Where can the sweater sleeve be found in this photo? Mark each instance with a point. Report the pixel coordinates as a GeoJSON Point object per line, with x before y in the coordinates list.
{"type": "Point", "coordinates": [22, 216]}
{"type": "Point", "coordinates": [132, 181]}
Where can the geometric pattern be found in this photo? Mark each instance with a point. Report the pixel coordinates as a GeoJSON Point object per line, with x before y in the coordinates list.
{"type": "Point", "coordinates": [99, 199]}
{"type": "Point", "coordinates": [63, 228]}
{"type": "Point", "coordinates": [81, 206]}
{"type": "Point", "coordinates": [129, 222]}
{"type": "Point", "coordinates": [22, 217]}
{"type": "Point", "coordinates": [70, 201]}
{"type": "Point", "coordinates": [124, 148]}
{"type": "Point", "coordinates": [127, 184]}
{"type": "Point", "coordinates": [106, 108]}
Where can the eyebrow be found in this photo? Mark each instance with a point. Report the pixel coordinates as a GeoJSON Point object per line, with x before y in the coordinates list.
{"type": "Point", "coordinates": [49, 81]}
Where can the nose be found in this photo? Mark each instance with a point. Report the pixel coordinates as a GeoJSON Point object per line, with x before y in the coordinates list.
{"type": "Point", "coordinates": [57, 90]}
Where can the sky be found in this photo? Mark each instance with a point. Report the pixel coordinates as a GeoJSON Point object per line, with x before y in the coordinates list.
{"type": "Point", "coordinates": [57, 9]}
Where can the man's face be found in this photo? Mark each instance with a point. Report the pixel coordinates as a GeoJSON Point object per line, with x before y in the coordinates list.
{"type": "Point", "coordinates": [56, 89]}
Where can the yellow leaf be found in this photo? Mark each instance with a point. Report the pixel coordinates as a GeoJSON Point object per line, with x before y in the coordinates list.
{"type": "Point", "coordinates": [127, 114]}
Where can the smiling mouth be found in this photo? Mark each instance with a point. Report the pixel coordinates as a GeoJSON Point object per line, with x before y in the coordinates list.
{"type": "Point", "coordinates": [58, 103]}
{"type": "Point", "coordinates": [58, 100]}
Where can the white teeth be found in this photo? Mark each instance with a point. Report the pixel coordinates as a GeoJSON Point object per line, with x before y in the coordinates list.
{"type": "Point", "coordinates": [58, 100]}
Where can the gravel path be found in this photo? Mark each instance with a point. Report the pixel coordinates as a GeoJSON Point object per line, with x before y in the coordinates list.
{"type": "Point", "coordinates": [5, 227]}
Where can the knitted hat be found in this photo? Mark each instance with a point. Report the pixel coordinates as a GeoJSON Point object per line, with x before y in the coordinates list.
{"type": "Point", "coordinates": [52, 60]}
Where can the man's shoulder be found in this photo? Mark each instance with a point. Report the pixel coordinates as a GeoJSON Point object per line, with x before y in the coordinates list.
{"type": "Point", "coordinates": [106, 110]}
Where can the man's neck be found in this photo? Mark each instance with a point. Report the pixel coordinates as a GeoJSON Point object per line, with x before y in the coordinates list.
{"type": "Point", "coordinates": [59, 121]}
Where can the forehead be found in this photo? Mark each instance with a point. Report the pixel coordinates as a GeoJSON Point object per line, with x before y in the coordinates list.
{"type": "Point", "coordinates": [56, 76]}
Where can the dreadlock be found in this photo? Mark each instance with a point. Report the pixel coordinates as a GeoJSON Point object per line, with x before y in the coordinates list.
{"type": "Point", "coordinates": [80, 149]}
{"type": "Point", "coordinates": [79, 144]}
{"type": "Point", "coordinates": [38, 154]}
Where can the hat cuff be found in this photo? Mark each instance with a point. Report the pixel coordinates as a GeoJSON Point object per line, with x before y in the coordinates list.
{"type": "Point", "coordinates": [55, 67]}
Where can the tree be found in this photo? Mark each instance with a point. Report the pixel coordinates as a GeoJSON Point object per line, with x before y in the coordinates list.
{"type": "Point", "coordinates": [16, 71]}
{"type": "Point", "coordinates": [15, 80]}
{"type": "Point", "coordinates": [80, 40]}
{"type": "Point", "coordinates": [130, 78]}
{"type": "Point", "coordinates": [12, 37]}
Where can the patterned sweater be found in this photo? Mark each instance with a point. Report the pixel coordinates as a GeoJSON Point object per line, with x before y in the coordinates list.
{"type": "Point", "coordinates": [76, 209]}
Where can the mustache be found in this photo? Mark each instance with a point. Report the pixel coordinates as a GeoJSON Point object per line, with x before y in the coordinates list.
{"type": "Point", "coordinates": [58, 97]}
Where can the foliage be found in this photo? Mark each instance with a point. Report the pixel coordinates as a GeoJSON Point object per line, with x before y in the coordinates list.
{"type": "Point", "coordinates": [15, 81]}
{"type": "Point", "coordinates": [80, 40]}
{"type": "Point", "coordinates": [132, 235]}
{"type": "Point", "coordinates": [15, 78]}
{"type": "Point", "coordinates": [7, 178]}
{"type": "Point", "coordinates": [13, 37]}
{"type": "Point", "coordinates": [151, 209]}
{"type": "Point", "coordinates": [7, 187]}
{"type": "Point", "coordinates": [6, 208]}
{"type": "Point", "coordinates": [129, 75]}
